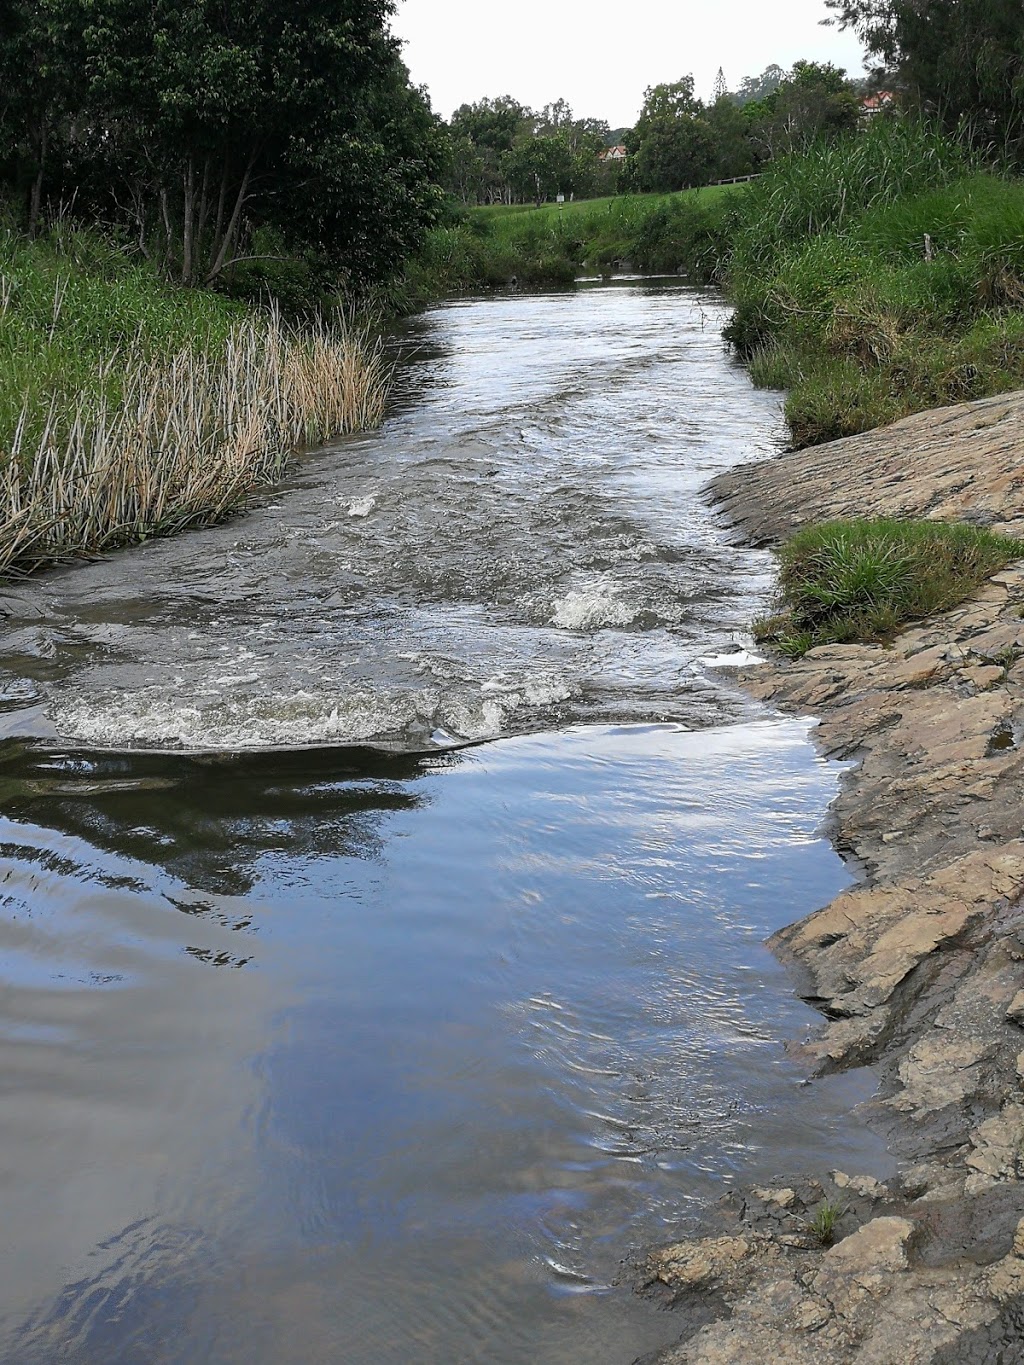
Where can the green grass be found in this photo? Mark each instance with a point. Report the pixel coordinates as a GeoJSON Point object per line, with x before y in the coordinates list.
{"type": "Point", "coordinates": [129, 408]}
{"type": "Point", "coordinates": [877, 278]}
{"type": "Point", "coordinates": [551, 246]}
{"type": "Point", "coordinates": [862, 580]}
{"type": "Point", "coordinates": [824, 1223]}
{"type": "Point", "coordinates": [71, 301]}
{"type": "Point", "coordinates": [624, 205]}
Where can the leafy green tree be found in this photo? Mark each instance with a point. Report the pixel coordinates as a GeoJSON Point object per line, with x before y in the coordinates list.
{"type": "Point", "coordinates": [465, 172]}
{"type": "Point", "coordinates": [734, 154]}
{"type": "Point", "coordinates": [580, 133]}
{"type": "Point", "coordinates": [673, 99]}
{"type": "Point", "coordinates": [495, 124]}
{"type": "Point", "coordinates": [41, 89]}
{"type": "Point", "coordinates": [539, 168]}
{"type": "Point", "coordinates": [961, 60]}
{"type": "Point", "coordinates": [672, 146]}
{"type": "Point", "coordinates": [814, 101]}
{"type": "Point", "coordinates": [492, 127]}
{"type": "Point", "coordinates": [198, 123]}
{"type": "Point", "coordinates": [756, 88]}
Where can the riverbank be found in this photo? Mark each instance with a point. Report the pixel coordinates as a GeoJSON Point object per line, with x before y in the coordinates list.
{"type": "Point", "coordinates": [131, 408]}
{"type": "Point", "coordinates": [919, 970]}
{"type": "Point", "coordinates": [523, 247]}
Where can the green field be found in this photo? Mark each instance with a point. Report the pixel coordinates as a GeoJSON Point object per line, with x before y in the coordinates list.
{"type": "Point", "coordinates": [627, 208]}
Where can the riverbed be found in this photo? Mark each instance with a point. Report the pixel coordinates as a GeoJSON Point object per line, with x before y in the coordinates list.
{"type": "Point", "coordinates": [385, 875]}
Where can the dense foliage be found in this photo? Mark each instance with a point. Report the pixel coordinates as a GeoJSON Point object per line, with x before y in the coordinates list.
{"type": "Point", "coordinates": [501, 152]}
{"type": "Point", "coordinates": [208, 132]}
{"type": "Point", "coordinates": [959, 60]}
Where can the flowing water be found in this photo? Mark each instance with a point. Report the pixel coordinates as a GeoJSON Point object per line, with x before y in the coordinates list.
{"type": "Point", "coordinates": [384, 876]}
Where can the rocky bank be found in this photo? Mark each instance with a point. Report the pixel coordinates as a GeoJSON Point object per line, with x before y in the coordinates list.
{"type": "Point", "coordinates": [919, 969]}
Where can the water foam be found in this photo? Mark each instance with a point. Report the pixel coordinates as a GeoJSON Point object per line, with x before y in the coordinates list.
{"type": "Point", "coordinates": [737, 658]}
{"type": "Point", "coordinates": [362, 507]}
{"type": "Point", "coordinates": [242, 719]}
{"type": "Point", "coordinates": [592, 608]}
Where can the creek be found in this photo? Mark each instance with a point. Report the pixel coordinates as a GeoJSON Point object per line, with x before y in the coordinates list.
{"type": "Point", "coordinates": [384, 876]}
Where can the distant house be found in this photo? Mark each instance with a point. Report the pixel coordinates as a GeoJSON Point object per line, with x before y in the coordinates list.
{"type": "Point", "coordinates": [871, 105]}
{"type": "Point", "coordinates": [618, 153]}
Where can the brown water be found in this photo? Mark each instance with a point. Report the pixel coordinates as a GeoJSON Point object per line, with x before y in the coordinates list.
{"type": "Point", "coordinates": [384, 1048]}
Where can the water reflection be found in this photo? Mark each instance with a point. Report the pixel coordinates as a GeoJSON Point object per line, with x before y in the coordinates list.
{"type": "Point", "coordinates": [483, 1020]}
{"type": "Point", "coordinates": [211, 818]}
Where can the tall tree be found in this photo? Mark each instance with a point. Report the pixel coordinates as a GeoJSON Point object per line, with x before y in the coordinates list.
{"type": "Point", "coordinates": [734, 153]}
{"type": "Point", "coordinates": [42, 83]}
{"type": "Point", "coordinates": [539, 168]}
{"type": "Point", "coordinates": [814, 101]}
{"type": "Point", "coordinates": [753, 88]}
{"type": "Point", "coordinates": [962, 60]}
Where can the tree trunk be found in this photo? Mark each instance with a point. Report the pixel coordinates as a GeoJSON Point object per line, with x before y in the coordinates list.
{"type": "Point", "coordinates": [204, 202]}
{"type": "Point", "coordinates": [40, 144]}
{"type": "Point", "coordinates": [226, 242]}
{"type": "Point", "coordinates": [187, 223]}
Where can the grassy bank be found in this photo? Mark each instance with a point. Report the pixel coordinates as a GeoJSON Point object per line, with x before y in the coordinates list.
{"type": "Point", "coordinates": [550, 246]}
{"type": "Point", "coordinates": [129, 408]}
{"type": "Point", "coordinates": [878, 278]}
{"type": "Point", "coordinates": [872, 277]}
{"type": "Point", "coordinates": [862, 580]}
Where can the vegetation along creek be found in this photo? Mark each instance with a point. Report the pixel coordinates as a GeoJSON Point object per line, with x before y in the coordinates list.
{"type": "Point", "coordinates": [387, 872]}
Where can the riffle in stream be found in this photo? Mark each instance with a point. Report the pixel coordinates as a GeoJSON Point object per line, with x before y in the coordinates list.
{"type": "Point", "coordinates": [329, 1031]}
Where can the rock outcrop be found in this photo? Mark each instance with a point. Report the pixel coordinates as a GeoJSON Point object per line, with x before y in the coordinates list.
{"type": "Point", "coordinates": [954, 464]}
{"type": "Point", "coordinates": [919, 969]}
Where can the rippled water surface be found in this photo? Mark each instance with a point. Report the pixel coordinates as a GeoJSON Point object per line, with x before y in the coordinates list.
{"type": "Point", "coordinates": [382, 1048]}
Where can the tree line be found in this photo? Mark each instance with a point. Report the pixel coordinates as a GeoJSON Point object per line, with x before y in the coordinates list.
{"type": "Point", "coordinates": [501, 151]}
{"type": "Point", "coordinates": [209, 134]}
{"type": "Point", "coordinates": [959, 63]}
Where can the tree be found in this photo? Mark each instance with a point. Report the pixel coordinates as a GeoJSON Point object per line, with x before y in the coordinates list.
{"type": "Point", "coordinates": [961, 60]}
{"type": "Point", "coordinates": [756, 88]}
{"type": "Point", "coordinates": [559, 118]}
{"type": "Point", "coordinates": [41, 88]}
{"type": "Point", "coordinates": [539, 168]}
{"type": "Point", "coordinates": [464, 169]}
{"type": "Point", "coordinates": [814, 101]}
{"type": "Point", "coordinates": [669, 100]}
{"type": "Point", "coordinates": [671, 145]}
{"type": "Point", "coordinates": [674, 154]}
{"type": "Point", "coordinates": [720, 88]}
{"type": "Point", "coordinates": [492, 127]}
{"type": "Point", "coordinates": [734, 155]}
{"type": "Point", "coordinates": [202, 121]}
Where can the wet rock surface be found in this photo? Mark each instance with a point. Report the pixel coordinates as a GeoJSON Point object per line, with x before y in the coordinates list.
{"type": "Point", "coordinates": [960, 463]}
{"type": "Point", "coordinates": [918, 970]}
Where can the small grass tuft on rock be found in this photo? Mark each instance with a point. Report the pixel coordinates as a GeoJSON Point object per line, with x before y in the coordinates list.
{"type": "Point", "coordinates": [861, 580]}
{"type": "Point", "coordinates": [823, 1225]}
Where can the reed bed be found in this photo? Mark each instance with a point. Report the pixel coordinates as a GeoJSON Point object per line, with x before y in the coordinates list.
{"type": "Point", "coordinates": [156, 444]}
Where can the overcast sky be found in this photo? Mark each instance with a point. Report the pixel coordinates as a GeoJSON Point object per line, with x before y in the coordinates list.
{"type": "Point", "coordinates": [602, 59]}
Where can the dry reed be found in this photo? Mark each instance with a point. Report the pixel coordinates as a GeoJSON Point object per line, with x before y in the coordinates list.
{"type": "Point", "coordinates": [187, 441]}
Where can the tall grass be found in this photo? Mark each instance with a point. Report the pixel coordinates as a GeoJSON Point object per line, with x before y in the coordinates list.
{"type": "Point", "coordinates": [877, 278]}
{"type": "Point", "coordinates": [837, 182]}
{"type": "Point", "coordinates": [129, 410]}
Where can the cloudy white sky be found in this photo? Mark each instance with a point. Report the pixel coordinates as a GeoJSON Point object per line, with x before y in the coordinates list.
{"type": "Point", "coordinates": [601, 58]}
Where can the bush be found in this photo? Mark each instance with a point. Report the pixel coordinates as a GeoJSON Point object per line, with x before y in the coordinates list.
{"type": "Point", "coordinates": [861, 580]}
